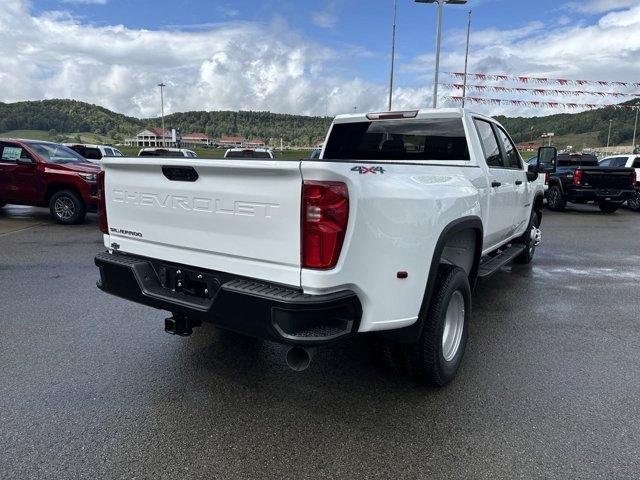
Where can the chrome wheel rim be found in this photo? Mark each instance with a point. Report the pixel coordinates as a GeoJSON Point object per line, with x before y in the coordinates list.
{"type": "Point", "coordinates": [64, 208]}
{"type": "Point", "coordinates": [536, 236]}
{"type": "Point", "coordinates": [453, 326]}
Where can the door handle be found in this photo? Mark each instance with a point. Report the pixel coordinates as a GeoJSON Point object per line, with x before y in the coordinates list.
{"type": "Point", "coordinates": [518, 182]}
{"type": "Point", "coordinates": [495, 184]}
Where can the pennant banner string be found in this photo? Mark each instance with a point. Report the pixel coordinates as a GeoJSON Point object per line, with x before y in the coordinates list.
{"type": "Point", "coordinates": [537, 104]}
{"type": "Point", "coordinates": [543, 80]}
{"type": "Point", "coordinates": [537, 91]}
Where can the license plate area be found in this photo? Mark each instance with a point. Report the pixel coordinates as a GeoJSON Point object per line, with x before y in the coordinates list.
{"type": "Point", "coordinates": [189, 282]}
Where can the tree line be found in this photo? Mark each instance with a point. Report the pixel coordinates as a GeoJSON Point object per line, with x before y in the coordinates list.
{"type": "Point", "coordinates": [70, 116]}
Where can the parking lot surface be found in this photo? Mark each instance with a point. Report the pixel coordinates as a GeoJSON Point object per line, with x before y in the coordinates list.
{"type": "Point", "coordinates": [92, 387]}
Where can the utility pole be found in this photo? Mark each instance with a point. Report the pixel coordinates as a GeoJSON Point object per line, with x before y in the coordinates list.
{"type": "Point", "coordinates": [438, 41]}
{"type": "Point", "coordinates": [609, 136]}
{"type": "Point", "coordinates": [466, 62]}
{"type": "Point", "coordinates": [393, 51]}
{"type": "Point", "coordinates": [635, 128]}
{"type": "Point", "coordinates": [162, 85]}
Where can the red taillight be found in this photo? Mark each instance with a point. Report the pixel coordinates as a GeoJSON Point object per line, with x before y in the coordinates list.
{"type": "Point", "coordinates": [634, 178]}
{"type": "Point", "coordinates": [577, 177]}
{"type": "Point", "coordinates": [325, 213]}
{"type": "Point", "coordinates": [547, 177]}
{"type": "Point", "coordinates": [102, 204]}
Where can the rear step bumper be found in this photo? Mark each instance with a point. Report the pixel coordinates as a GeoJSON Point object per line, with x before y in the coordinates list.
{"type": "Point", "coordinates": [254, 308]}
{"type": "Point", "coordinates": [594, 194]}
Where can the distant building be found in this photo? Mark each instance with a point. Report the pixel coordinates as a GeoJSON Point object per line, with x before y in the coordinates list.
{"type": "Point", "coordinates": [527, 146]}
{"type": "Point", "coordinates": [231, 142]}
{"type": "Point", "coordinates": [196, 140]}
{"type": "Point", "coordinates": [255, 143]}
{"type": "Point", "coordinates": [151, 137]}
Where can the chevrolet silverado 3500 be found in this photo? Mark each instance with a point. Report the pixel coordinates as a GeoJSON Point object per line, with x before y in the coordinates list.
{"type": "Point", "coordinates": [385, 233]}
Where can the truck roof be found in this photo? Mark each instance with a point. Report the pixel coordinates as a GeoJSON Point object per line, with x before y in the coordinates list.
{"type": "Point", "coordinates": [407, 114]}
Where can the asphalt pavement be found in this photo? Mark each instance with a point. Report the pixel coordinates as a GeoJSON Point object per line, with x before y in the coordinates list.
{"type": "Point", "coordinates": [91, 386]}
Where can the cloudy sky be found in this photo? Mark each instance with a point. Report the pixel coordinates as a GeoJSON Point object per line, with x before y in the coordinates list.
{"type": "Point", "coordinates": [300, 56]}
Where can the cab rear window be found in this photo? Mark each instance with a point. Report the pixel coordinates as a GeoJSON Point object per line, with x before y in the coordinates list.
{"type": "Point", "coordinates": [440, 139]}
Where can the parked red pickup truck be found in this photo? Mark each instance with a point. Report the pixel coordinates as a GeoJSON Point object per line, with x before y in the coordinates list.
{"type": "Point", "coordinates": [38, 173]}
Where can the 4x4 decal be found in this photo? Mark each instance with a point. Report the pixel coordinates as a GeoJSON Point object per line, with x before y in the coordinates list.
{"type": "Point", "coordinates": [363, 170]}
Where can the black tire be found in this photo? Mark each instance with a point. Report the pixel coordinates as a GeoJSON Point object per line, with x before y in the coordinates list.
{"type": "Point", "coordinates": [555, 199]}
{"type": "Point", "coordinates": [634, 202]}
{"type": "Point", "coordinates": [608, 207]}
{"type": "Point", "coordinates": [527, 240]}
{"type": "Point", "coordinates": [426, 360]}
{"type": "Point", "coordinates": [67, 208]}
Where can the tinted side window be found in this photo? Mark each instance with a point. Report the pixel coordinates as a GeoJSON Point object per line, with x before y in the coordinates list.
{"type": "Point", "coordinates": [636, 163]}
{"type": "Point", "coordinates": [489, 143]}
{"type": "Point", "coordinates": [606, 162]}
{"type": "Point", "coordinates": [92, 153]}
{"type": "Point", "coordinates": [619, 162]}
{"type": "Point", "coordinates": [512, 159]}
{"type": "Point", "coordinates": [108, 152]}
{"type": "Point", "coordinates": [429, 139]}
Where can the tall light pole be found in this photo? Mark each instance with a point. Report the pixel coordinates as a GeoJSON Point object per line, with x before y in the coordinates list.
{"type": "Point", "coordinates": [393, 51]}
{"type": "Point", "coordinates": [635, 128]}
{"type": "Point", "coordinates": [162, 85]}
{"type": "Point", "coordinates": [438, 40]}
{"type": "Point", "coordinates": [466, 62]}
{"type": "Point", "coordinates": [609, 136]}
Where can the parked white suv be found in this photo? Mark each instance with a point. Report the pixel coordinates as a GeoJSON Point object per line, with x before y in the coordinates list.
{"type": "Point", "coordinates": [386, 232]}
{"type": "Point", "coordinates": [629, 161]}
{"type": "Point", "coordinates": [94, 153]}
{"type": "Point", "coordinates": [167, 152]}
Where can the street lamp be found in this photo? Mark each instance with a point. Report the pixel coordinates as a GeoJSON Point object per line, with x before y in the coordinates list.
{"type": "Point", "coordinates": [393, 51]}
{"type": "Point", "coordinates": [162, 85]}
{"type": "Point", "coordinates": [438, 32]}
{"type": "Point", "coordinates": [609, 136]}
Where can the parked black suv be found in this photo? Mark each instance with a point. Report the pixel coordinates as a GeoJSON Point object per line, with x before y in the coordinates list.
{"type": "Point", "coordinates": [579, 179]}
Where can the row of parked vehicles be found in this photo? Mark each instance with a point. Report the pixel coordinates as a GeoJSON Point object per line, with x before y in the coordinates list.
{"type": "Point", "coordinates": [581, 179]}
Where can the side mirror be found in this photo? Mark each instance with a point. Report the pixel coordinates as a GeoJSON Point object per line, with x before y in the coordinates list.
{"type": "Point", "coordinates": [25, 161]}
{"type": "Point", "coordinates": [547, 159]}
{"type": "Point", "coordinates": [532, 173]}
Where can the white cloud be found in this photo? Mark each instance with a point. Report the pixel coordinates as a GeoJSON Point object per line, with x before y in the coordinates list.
{"type": "Point", "coordinates": [257, 66]}
{"type": "Point", "coordinates": [600, 6]}
{"type": "Point", "coordinates": [607, 50]}
{"type": "Point", "coordinates": [326, 18]}
{"type": "Point", "coordinates": [239, 65]}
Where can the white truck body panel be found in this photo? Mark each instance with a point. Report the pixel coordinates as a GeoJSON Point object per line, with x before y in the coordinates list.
{"type": "Point", "coordinates": [241, 217]}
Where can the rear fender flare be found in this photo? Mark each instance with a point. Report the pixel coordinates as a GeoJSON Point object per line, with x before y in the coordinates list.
{"type": "Point", "coordinates": [412, 333]}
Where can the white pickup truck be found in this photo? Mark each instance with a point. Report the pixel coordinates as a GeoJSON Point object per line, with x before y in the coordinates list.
{"type": "Point", "coordinates": [386, 232]}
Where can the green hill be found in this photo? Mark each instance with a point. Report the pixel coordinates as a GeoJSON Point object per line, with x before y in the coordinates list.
{"type": "Point", "coordinates": [588, 128]}
{"type": "Point", "coordinates": [62, 119]}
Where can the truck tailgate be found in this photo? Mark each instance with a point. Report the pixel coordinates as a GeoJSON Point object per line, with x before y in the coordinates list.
{"type": "Point", "coordinates": [238, 216]}
{"type": "Point", "coordinates": [615, 178]}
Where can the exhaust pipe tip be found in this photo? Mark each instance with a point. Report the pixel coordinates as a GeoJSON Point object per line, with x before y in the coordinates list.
{"type": "Point", "coordinates": [299, 358]}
